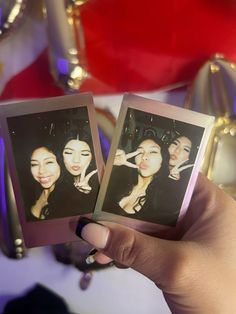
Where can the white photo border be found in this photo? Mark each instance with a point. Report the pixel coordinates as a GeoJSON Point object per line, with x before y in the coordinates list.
{"type": "Point", "coordinates": [60, 230]}
{"type": "Point", "coordinates": [164, 110]}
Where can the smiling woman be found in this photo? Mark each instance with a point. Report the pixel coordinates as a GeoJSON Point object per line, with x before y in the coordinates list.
{"type": "Point", "coordinates": [46, 171]}
{"type": "Point", "coordinates": [44, 167]}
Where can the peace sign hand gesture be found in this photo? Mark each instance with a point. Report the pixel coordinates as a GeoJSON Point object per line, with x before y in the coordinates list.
{"type": "Point", "coordinates": [175, 171]}
{"type": "Point", "coordinates": [83, 183]}
{"type": "Point", "coordinates": [121, 158]}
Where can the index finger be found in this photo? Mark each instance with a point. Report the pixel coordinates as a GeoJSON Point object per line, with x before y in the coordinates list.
{"type": "Point", "coordinates": [82, 176]}
{"type": "Point", "coordinates": [185, 167]}
{"type": "Point", "coordinates": [87, 178]}
{"type": "Point", "coordinates": [180, 164]}
{"type": "Point", "coordinates": [130, 155]}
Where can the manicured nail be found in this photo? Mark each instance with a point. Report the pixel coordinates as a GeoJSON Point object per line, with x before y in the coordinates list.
{"type": "Point", "coordinates": [83, 221]}
{"type": "Point", "coordinates": [93, 232]}
{"type": "Point", "coordinates": [92, 252]}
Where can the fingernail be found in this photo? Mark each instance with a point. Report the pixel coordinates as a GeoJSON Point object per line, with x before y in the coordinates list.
{"type": "Point", "coordinates": [90, 259]}
{"type": "Point", "coordinates": [92, 252]}
{"type": "Point", "coordinates": [92, 232]}
{"type": "Point", "coordinates": [83, 221]}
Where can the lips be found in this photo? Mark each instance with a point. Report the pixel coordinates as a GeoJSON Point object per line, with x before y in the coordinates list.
{"type": "Point", "coordinates": [173, 157]}
{"type": "Point", "coordinates": [75, 168]}
{"type": "Point", "coordinates": [143, 166]}
{"type": "Point", "coordinates": [44, 180]}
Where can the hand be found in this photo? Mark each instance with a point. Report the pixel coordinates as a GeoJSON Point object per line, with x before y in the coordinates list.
{"type": "Point", "coordinates": [83, 183]}
{"type": "Point", "coordinates": [196, 271]}
{"type": "Point", "coordinates": [175, 171]}
{"type": "Point", "coordinates": [121, 158]}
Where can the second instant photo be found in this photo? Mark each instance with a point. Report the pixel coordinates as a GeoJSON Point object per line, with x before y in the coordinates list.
{"type": "Point", "coordinates": [152, 167]}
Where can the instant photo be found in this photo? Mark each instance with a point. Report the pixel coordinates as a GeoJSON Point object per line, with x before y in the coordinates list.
{"type": "Point", "coordinates": [55, 163]}
{"type": "Point", "coordinates": [153, 164]}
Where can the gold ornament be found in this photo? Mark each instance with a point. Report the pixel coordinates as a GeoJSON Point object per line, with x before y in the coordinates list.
{"type": "Point", "coordinates": [11, 12]}
{"type": "Point", "coordinates": [214, 92]}
{"type": "Point", "coordinates": [66, 43]}
{"type": "Point", "coordinates": [11, 239]}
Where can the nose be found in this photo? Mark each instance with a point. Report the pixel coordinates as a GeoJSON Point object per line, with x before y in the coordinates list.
{"type": "Point", "coordinates": [76, 158]}
{"type": "Point", "coordinates": [145, 156]}
{"type": "Point", "coordinates": [41, 169]}
{"type": "Point", "coordinates": [177, 149]}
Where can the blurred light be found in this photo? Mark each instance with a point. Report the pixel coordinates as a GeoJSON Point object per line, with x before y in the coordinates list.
{"type": "Point", "coordinates": [77, 72]}
{"type": "Point", "coordinates": [63, 65]}
{"type": "Point", "coordinates": [14, 12]}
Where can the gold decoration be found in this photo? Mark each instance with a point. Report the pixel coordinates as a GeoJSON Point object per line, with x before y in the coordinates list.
{"type": "Point", "coordinates": [66, 43]}
{"type": "Point", "coordinates": [11, 241]}
{"type": "Point", "coordinates": [11, 12]}
{"type": "Point", "coordinates": [214, 92]}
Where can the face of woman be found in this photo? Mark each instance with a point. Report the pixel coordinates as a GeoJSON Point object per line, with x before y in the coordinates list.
{"type": "Point", "coordinates": [149, 159]}
{"type": "Point", "coordinates": [179, 150]}
{"type": "Point", "coordinates": [77, 156]}
{"type": "Point", "coordinates": [44, 167]}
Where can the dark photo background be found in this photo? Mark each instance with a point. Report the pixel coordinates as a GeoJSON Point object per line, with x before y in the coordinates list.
{"type": "Point", "coordinates": [51, 128]}
{"type": "Point", "coordinates": [169, 193]}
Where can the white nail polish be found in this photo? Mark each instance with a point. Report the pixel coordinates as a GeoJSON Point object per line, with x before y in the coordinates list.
{"type": "Point", "coordinates": [90, 259]}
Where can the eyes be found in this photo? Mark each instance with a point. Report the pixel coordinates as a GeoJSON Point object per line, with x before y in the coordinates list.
{"type": "Point", "coordinates": [37, 164]}
{"type": "Point", "coordinates": [151, 152]}
{"type": "Point", "coordinates": [71, 152]}
{"type": "Point", "coordinates": [185, 148]}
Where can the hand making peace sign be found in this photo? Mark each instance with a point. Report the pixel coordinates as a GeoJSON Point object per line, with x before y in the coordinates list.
{"type": "Point", "coordinates": [82, 184]}
{"type": "Point", "coordinates": [121, 158]}
{"type": "Point", "coordinates": [175, 171]}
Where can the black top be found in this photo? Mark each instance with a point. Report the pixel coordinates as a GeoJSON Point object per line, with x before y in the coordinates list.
{"type": "Point", "coordinates": [163, 202]}
{"type": "Point", "coordinates": [69, 201]}
{"type": "Point", "coordinates": [66, 200]}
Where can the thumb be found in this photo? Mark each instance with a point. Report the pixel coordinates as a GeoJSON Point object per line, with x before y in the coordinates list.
{"type": "Point", "coordinates": [155, 258]}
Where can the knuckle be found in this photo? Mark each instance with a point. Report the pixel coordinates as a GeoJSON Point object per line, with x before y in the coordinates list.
{"type": "Point", "coordinates": [183, 272]}
{"type": "Point", "coordinates": [125, 250]}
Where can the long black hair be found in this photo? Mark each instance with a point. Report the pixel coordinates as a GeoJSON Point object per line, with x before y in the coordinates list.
{"type": "Point", "coordinates": [131, 175]}
{"type": "Point", "coordinates": [31, 189]}
{"type": "Point", "coordinates": [195, 142]}
{"type": "Point", "coordinates": [81, 135]}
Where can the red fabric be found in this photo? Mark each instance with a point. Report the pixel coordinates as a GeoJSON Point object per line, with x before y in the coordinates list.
{"type": "Point", "coordinates": [135, 45]}
{"type": "Point", "coordinates": [35, 81]}
{"type": "Point", "coordinates": [139, 45]}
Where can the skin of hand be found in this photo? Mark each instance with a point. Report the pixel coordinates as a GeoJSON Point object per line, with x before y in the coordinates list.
{"type": "Point", "coordinates": [175, 171]}
{"type": "Point", "coordinates": [193, 264]}
{"type": "Point", "coordinates": [83, 184]}
{"type": "Point", "coordinates": [121, 158]}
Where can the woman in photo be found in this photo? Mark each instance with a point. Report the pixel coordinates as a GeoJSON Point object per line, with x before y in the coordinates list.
{"type": "Point", "coordinates": [182, 155]}
{"type": "Point", "coordinates": [77, 157]}
{"type": "Point", "coordinates": [77, 193]}
{"type": "Point", "coordinates": [46, 171]}
{"type": "Point", "coordinates": [137, 189]}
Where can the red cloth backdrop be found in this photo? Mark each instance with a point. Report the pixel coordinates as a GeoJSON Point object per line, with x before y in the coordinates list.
{"type": "Point", "coordinates": [135, 45]}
